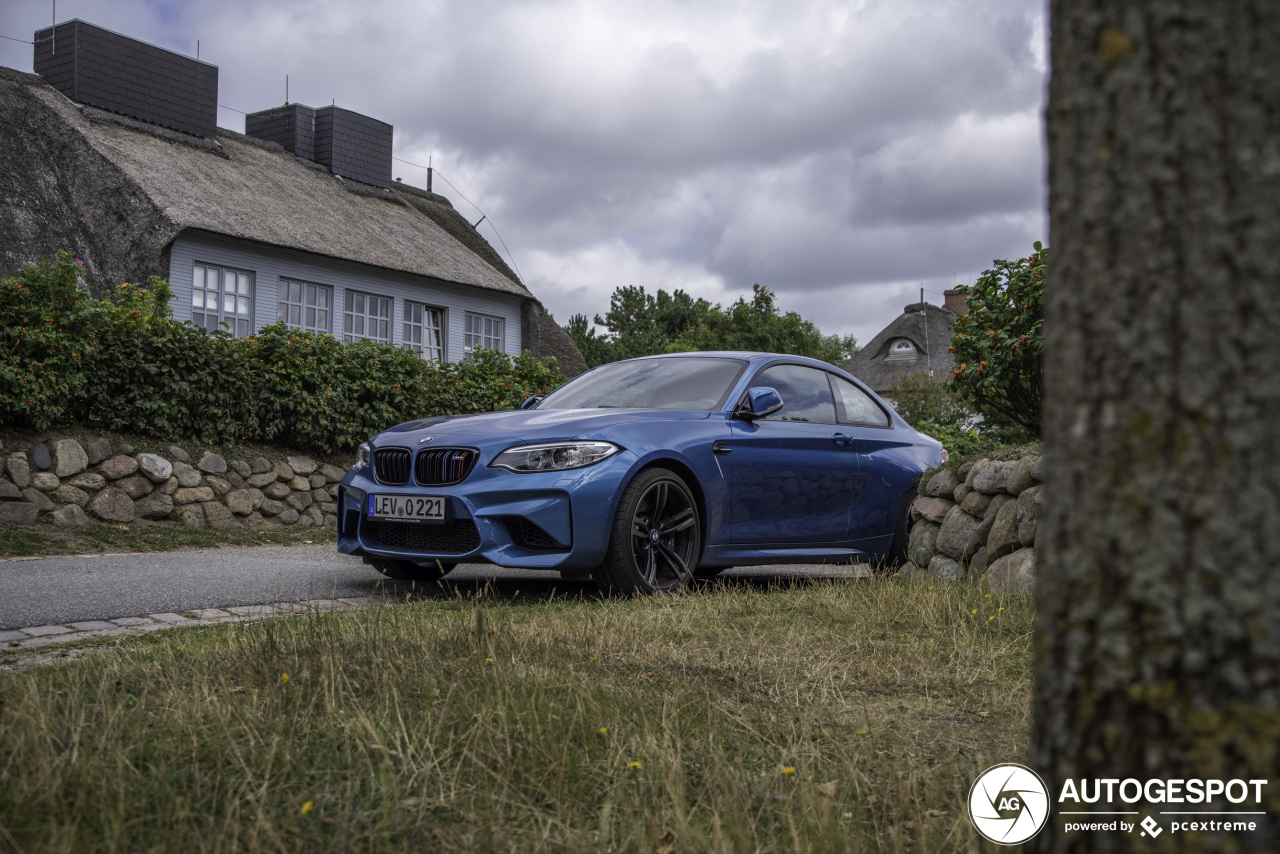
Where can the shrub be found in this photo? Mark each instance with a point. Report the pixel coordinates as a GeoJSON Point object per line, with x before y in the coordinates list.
{"type": "Point", "coordinates": [124, 361]}
{"type": "Point", "coordinates": [487, 381]}
{"type": "Point", "coordinates": [919, 397]}
{"type": "Point", "coordinates": [47, 339]}
{"type": "Point", "coordinates": [158, 377]}
{"type": "Point", "coordinates": [957, 439]}
{"type": "Point", "coordinates": [998, 345]}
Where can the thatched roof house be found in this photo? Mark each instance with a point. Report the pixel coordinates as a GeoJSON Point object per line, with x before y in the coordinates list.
{"type": "Point", "coordinates": [246, 231]}
{"type": "Point", "coordinates": [916, 340]}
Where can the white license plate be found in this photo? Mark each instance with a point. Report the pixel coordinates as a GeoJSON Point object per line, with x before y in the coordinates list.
{"type": "Point", "coordinates": [415, 508]}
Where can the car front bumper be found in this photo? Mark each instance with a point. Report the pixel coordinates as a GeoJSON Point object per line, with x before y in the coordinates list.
{"type": "Point", "coordinates": [544, 520]}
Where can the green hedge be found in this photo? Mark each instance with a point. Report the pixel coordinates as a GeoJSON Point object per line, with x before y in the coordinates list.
{"type": "Point", "coordinates": [124, 361]}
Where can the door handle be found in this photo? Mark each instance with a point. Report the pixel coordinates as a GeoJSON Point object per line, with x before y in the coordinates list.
{"type": "Point", "coordinates": [721, 448]}
{"type": "Point", "coordinates": [841, 439]}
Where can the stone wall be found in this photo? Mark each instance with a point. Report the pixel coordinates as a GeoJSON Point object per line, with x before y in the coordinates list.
{"type": "Point", "coordinates": [71, 482]}
{"type": "Point", "coordinates": [978, 523]}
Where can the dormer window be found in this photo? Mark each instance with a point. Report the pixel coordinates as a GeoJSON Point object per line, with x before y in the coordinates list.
{"type": "Point", "coordinates": [901, 349]}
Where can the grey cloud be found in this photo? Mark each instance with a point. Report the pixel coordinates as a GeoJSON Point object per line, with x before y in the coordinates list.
{"type": "Point", "coordinates": [834, 151]}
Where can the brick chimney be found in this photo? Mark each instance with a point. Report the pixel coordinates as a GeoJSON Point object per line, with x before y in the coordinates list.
{"type": "Point", "coordinates": [955, 301]}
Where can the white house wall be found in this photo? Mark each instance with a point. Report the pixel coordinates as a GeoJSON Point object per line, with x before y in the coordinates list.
{"type": "Point", "coordinates": [271, 264]}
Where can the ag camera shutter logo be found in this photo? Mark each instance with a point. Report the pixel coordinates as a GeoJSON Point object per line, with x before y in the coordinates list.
{"type": "Point", "coordinates": [1008, 804]}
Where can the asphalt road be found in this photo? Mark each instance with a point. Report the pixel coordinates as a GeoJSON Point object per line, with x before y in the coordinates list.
{"type": "Point", "coordinates": [53, 591]}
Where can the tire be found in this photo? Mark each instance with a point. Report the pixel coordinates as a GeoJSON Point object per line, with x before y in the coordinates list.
{"type": "Point", "coordinates": [897, 555]}
{"type": "Point", "coordinates": [405, 570]}
{"type": "Point", "coordinates": [656, 539]}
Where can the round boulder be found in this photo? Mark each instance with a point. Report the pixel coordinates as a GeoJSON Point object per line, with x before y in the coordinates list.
{"type": "Point", "coordinates": [301, 465]}
{"type": "Point", "coordinates": [117, 467]}
{"type": "Point", "coordinates": [154, 506]}
{"type": "Point", "coordinates": [70, 516]}
{"type": "Point", "coordinates": [70, 457]}
{"type": "Point", "coordinates": [45, 481]}
{"type": "Point", "coordinates": [156, 468]}
{"type": "Point", "coordinates": [186, 475]}
{"type": "Point", "coordinates": [212, 463]}
{"type": "Point", "coordinates": [112, 505]}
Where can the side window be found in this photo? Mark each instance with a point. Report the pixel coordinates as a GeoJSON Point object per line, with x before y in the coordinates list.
{"type": "Point", "coordinates": [303, 305]}
{"type": "Point", "coordinates": [805, 393]}
{"type": "Point", "coordinates": [366, 316]}
{"type": "Point", "coordinates": [858, 407]}
{"type": "Point", "coordinates": [423, 331]}
{"type": "Point", "coordinates": [482, 330]}
{"type": "Point", "coordinates": [220, 295]}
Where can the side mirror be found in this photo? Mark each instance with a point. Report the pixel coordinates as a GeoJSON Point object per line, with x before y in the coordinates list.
{"type": "Point", "coordinates": [531, 402]}
{"type": "Point", "coordinates": [760, 402]}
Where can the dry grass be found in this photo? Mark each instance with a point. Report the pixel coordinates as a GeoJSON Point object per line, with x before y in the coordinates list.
{"type": "Point", "coordinates": [654, 725]}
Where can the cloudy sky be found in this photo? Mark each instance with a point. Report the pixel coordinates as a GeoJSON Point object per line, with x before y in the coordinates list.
{"type": "Point", "coordinates": [845, 154]}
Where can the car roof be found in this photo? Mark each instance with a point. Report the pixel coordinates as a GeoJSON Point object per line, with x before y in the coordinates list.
{"type": "Point", "coordinates": [747, 355]}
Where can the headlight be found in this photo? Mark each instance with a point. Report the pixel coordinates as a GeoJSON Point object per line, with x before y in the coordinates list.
{"type": "Point", "coordinates": [554, 456]}
{"type": "Point", "coordinates": [362, 456]}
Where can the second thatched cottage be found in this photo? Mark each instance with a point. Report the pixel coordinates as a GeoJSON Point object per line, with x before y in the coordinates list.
{"type": "Point", "coordinates": [916, 340]}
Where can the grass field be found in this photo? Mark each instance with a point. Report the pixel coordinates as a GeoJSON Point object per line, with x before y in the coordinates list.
{"type": "Point", "coordinates": [827, 716]}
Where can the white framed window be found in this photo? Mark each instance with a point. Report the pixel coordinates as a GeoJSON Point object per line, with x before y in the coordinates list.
{"type": "Point", "coordinates": [221, 295]}
{"type": "Point", "coordinates": [423, 330]}
{"type": "Point", "coordinates": [366, 316]}
{"type": "Point", "coordinates": [304, 306]}
{"type": "Point", "coordinates": [902, 349]}
{"type": "Point", "coordinates": [484, 331]}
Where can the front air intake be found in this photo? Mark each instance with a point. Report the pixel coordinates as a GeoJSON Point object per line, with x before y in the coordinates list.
{"type": "Point", "coordinates": [391, 466]}
{"type": "Point", "coordinates": [443, 466]}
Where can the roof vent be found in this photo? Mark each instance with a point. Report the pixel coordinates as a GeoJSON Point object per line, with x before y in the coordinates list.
{"type": "Point", "coordinates": [103, 69]}
{"type": "Point", "coordinates": [293, 126]}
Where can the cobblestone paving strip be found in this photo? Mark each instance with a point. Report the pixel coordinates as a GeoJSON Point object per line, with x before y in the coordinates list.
{"type": "Point", "coordinates": [34, 637]}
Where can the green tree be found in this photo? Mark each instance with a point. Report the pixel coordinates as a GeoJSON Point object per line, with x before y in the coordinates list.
{"type": "Point", "coordinates": [595, 349]}
{"type": "Point", "coordinates": [640, 324]}
{"type": "Point", "coordinates": [998, 346]}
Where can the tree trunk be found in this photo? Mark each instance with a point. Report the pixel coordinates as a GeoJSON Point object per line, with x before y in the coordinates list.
{"type": "Point", "coordinates": [1159, 590]}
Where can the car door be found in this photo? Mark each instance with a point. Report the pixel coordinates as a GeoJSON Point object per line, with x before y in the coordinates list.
{"type": "Point", "coordinates": [793, 471]}
{"type": "Point", "coordinates": [882, 475]}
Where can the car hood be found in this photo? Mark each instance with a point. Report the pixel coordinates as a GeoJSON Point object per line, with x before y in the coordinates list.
{"type": "Point", "coordinates": [525, 425]}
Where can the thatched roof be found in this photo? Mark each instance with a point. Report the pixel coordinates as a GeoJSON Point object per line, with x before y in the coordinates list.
{"type": "Point", "coordinates": [163, 182]}
{"type": "Point", "coordinates": [928, 327]}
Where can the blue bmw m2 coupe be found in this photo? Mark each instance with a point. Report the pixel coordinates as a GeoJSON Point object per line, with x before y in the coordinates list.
{"type": "Point", "coordinates": [644, 474]}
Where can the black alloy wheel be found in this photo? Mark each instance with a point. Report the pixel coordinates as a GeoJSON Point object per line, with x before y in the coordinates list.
{"type": "Point", "coordinates": [405, 570]}
{"type": "Point", "coordinates": [657, 538]}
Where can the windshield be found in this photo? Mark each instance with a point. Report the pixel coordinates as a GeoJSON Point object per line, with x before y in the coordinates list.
{"type": "Point", "coordinates": [679, 383]}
